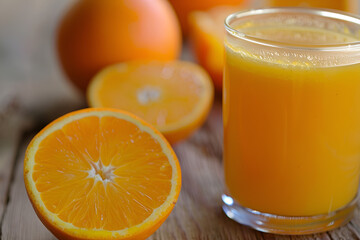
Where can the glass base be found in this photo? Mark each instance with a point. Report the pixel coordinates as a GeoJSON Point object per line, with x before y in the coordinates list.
{"type": "Point", "coordinates": [288, 225]}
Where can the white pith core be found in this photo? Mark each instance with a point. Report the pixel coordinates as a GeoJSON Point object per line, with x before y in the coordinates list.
{"type": "Point", "coordinates": [101, 173]}
{"type": "Point", "coordinates": [148, 94]}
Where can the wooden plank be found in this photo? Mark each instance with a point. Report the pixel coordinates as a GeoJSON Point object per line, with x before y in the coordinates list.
{"type": "Point", "coordinates": [11, 129]}
{"type": "Point", "coordinates": [355, 222]}
{"type": "Point", "coordinates": [20, 220]}
{"type": "Point", "coordinates": [345, 232]}
{"type": "Point", "coordinates": [197, 214]}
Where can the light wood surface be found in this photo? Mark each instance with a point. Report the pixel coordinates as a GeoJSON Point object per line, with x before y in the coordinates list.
{"type": "Point", "coordinates": [33, 92]}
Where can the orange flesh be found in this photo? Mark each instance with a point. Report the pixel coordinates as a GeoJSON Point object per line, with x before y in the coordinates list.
{"type": "Point", "coordinates": [92, 174]}
{"type": "Point", "coordinates": [291, 132]}
{"type": "Point", "coordinates": [152, 91]}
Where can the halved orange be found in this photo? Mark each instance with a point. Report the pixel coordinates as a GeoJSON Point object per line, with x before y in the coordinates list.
{"type": "Point", "coordinates": [175, 97]}
{"type": "Point", "coordinates": [101, 174]}
{"type": "Point", "coordinates": [207, 34]}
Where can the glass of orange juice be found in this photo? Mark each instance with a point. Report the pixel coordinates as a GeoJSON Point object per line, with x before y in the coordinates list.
{"type": "Point", "coordinates": [291, 112]}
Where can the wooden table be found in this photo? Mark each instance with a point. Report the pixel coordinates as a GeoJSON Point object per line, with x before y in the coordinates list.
{"type": "Point", "coordinates": [33, 92]}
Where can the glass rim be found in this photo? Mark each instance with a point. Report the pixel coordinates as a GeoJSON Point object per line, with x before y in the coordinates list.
{"type": "Point", "coordinates": [322, 12]}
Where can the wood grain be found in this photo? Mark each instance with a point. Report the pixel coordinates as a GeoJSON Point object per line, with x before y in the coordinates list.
{"type": "Point", "coordinates": [20, 220]}
{"type": "Point", "coordinates": [197, 214]}
{"type": "Point", "coordinates": [11, 127]}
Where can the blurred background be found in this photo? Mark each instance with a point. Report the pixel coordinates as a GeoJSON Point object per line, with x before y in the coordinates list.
{"type": "Point", "coordinates": [31, 75]}
{"type": "Point", "coordinates": [29, 70]}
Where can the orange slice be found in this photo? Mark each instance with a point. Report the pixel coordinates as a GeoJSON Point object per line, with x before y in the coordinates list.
{"type": "Point", "coordinates": [175, 97]}
{"type": "Point", "coordinates": [207, 36]}
{"type": "Point", "coordinates": [101, 174]}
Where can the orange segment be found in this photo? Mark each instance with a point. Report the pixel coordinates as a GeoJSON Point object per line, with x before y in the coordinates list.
{"type": "Point", "coordinates": [101, 174]}
{"type": "Point", "coordinates": [207, 36]}
{"type": "Point", "coordinates": [175, 97]}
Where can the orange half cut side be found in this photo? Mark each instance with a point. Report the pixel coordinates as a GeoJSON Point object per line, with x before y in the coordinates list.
{"type": "Point", "coordinates": [101, 174]}
{"type": "Point", "coordinates": [175, 97]}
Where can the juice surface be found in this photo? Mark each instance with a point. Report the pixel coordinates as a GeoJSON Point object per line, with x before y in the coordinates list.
{"type": "Point", "coordinates": [291, 130]}
{"type": "Point", "coordinates": [343, 5]}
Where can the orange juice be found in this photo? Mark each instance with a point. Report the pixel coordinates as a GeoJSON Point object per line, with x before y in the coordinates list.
{"type": "Point", "coordinates": [343, 5]}
{"type": "Point", "coordinates": [291, 125]}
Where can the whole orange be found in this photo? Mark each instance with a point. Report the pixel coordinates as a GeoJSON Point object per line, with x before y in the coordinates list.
{"type": "Point", "coordinates": [184, 7]}
{"type": "Point", "coordinates": [97, 33]}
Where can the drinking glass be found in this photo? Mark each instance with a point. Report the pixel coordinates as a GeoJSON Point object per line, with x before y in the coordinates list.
{"type": "Point", "coordinates": [291, 112]}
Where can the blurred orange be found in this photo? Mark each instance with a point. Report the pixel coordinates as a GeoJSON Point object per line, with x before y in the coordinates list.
{"type": "Point", "coordinates": [175, 97]}
{"type": "Point", "coordinates": [207, 36]}
{"type": "Point", "coordinates": [97, 33]}
{"type": "Point", "coordinates": [184, 7]}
